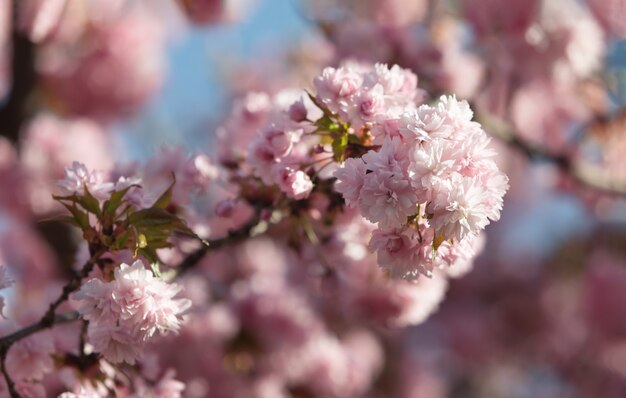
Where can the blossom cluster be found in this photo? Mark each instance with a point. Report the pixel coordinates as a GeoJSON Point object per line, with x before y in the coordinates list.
{"type": "Point", "coordinates": [333, 218]}
{"type": "Point", "coordinates": [423, 173]}
{"type": "Point", "coordinates": [432, 180]}
{"type": "Point", "coordinates": [126, 313]}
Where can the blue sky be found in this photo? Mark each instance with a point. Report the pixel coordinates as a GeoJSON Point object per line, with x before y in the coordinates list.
{"type": "Point", "coordinates": [193, 93]}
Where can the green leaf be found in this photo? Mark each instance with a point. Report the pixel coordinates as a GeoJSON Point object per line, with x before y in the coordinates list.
{"type": "Point", "coordinates": [80, 217]}
{"type": "Point", "coordinates": [149, 254]}
{"type": "Point", "coordinates": [326, 139]}
{"type": "Point", "coordinates": [150, 217]}
{"type": "Point", "coordinates": [113, 203]}
{"type": "Point", "coordinates": [319, 104]}
{"type": "Point", "coordinates": [155, 218]}
{"type": "Point", "coordinates": [59, 198]}
{"type": "Point", "coordinates": [89, 202]}
{"type": "Point", "coordinates": [339, 147]}
{"type": "Point", "coordinates": [156, 269]}
{"type": "Point", "coordinates": [121, 242]}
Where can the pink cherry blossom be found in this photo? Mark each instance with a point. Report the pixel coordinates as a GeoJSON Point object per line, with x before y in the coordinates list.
{"type": "Point", "coordinates": [129, 311]}
{"type": "Point", "coordinates": [350, 180]}
{"type": "Point", "coordinates": [39, 18]}
{"type": "Point", "coordinates": [78, 178]}
{"type": "Point", "coordinates": [295, 184]}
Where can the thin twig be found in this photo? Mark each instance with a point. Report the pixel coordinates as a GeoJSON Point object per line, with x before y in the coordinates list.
{"type": "Point", "coordinates": [193, 258]}
{"type": "Point", "coordinates": [48, 320]}
{"type": "Point", "coordinates": [7, 378]}
{"type": "Point", "coordinates": [51, 318]}
{"type": "Point", "coordinates": [73, 285]}
{"type": "Point", "coordinates": [585, 174]}
{"type": "Point", "coordinates": [82, 341]}
{"type": "Point", "coordinates": [18, 335]}
{"type": "Point", "coordinates": [7, 341]}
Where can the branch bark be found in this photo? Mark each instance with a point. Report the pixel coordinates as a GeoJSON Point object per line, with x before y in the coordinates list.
{"type": "Point", "coordinates": [234, 236]}
{"type": "Point", "coordinates": [585, 174]}
{"type": "Point", "coordinates": [23, 81]}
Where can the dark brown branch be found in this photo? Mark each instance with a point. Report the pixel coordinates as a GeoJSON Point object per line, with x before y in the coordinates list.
{"type": "Point", "coordinates": [7, 341]}
{"type": "Point", "coordinates": [73, 285]}
{"type": "Point", "coordinates": [51, 318]}
{"type": "Point", "coordinates": [7, 378]}
{"type": "Point", "coordinates": [14, 111]}
{"type": "Point", "coordinates": [233, 236]}
{"type": "Point", "coordinates": [586, 175]}
{"type": "Point", "coordinates": [58, 319]}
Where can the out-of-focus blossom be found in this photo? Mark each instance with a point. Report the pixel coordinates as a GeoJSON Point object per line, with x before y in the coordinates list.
{"type": "Point", "coordinates": [164, 387]}
{"type": "Point", "coordinates": [50, 143]}
{"type": "Point", "coordinates": [31, 358]}
{"type": "Point", "coordinates": [499, 17]}
{"type": "Point", "coordinates": [611, 13]}
{"type": "Point", "coordinates": [543, 111]}
{"type": "Point", "coordinates": [295, 184]}
{"type": "Point", "coordinates": [193, 173]}
{"type": "Point", "coordinates": [39, 18]}
{"type": "Point", "coordinates": [392, 13]}
{"type": "Point", "coordinates": [110, 72]}
{"type": "Point", "coordinates": [215, 11]}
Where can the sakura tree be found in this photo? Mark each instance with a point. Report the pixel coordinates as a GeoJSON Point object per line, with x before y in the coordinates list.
{"type": "Point", "coordinates": [323, 243]}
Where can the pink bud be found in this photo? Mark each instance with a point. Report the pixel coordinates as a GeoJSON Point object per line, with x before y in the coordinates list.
{"type": "Point", "coordinates": [266, 214]}
{"type": "Point", "coordinates": [297, 111]}
{"type": "Point", "coordinates": [295, 183]}
{"type": "Point", "coordinates": [319, 148]}
{"type": "Point", "coordinates": [225, 208]}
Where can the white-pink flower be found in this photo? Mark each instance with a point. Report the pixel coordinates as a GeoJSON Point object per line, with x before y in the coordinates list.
{"type": "Point", "coordinates": [336, 85]}
{"type": "Point", "coordinates": [78, 178]}
{"type": "Point", "coordinates": [147, 301]}
{"type": "Point", "coordinates": [460, 209]}
{"type": "Point", "coordinates": [296, 184]}
{"type": "Point", "coordinates": [350, 179]}
{"type": "Point", "coordinates": [129, 311]}
{"type": "Point", "coordinates": [404, 252]}
{"type": "Point", "coordinates": [387, 198]}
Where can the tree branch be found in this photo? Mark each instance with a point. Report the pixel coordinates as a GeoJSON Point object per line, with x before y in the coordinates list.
{"type": "Point", "coordinates": [7, 341]}
{"type": "Point", "coordinates": [233, 236]}
{"type": "Point", "coordinates": [23, 81]}
{"type": "Point", "coordinates": [14, 337]}
{"type": "Point", "coordinates": [51, 318]}
{"type": "Point", "coordinates": [585, 174]}
{"type": "Point", "coordinates": [48, 320]}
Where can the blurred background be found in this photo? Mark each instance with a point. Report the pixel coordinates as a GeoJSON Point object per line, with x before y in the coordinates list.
{"type": "Point", "coordinates": [542, 314]}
